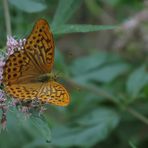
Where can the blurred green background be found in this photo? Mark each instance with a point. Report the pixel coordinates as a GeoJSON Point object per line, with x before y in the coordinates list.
{"type": "Point", "coordinates": [101, 52]}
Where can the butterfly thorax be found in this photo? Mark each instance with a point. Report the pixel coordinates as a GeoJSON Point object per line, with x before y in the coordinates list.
{"type": "Point", "coordinates": [46, 77]}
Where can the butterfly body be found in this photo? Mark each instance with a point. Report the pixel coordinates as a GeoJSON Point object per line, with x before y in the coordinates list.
{"type": "Point", "coordinates": [27, 72]}
{"type": "Point", "coordinates": [44, 78]}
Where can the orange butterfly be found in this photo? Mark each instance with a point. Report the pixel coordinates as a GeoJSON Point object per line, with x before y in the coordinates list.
{"type": "Point", "coordinates": [27, 72]}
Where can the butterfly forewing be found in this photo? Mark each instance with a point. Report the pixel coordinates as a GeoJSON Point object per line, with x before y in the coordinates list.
{"type": "Point", "coordinates": [40, 46]}
{"type": "Point", "coordinates": [19, 69]}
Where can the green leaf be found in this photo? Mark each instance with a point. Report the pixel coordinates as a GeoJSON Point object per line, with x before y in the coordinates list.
{"type": "Point", "coordinates": [106, 74]}
{"type": "Point", "coordinates": [93, 128]}
{"type": "Point", "coordinates": [36, 143]}
{"type": "Point", "coordinates": [112, 2]}
{"type": "Point", "coordinates": [29, 6]}
{"type": "Point", "coordinates": [92, 62]}
{"type": "Point", "coordinates": [132, 145]}
{"type": "Point", "coordinates": [93, 117]}
{"type": "Point", "coordinates": [83, 28]}
{"type": "Point", "coordinates": [65, 10]}
{"type": "Point", "coordinates": [59, 63]}
{"type": "Point", "coordinates": [88, 101]}
{"type": "Point", "coordinates": [88, 63]}
{"type": "Point", "coordinates": [24, 131]}
{"type": "Point", "coordinates": [136, 81]}
{"type": "Point", "coordinates": [41, 124]}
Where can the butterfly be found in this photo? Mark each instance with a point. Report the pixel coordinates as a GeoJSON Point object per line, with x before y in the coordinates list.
{"type": "Point", "coordinates": [27, 72]}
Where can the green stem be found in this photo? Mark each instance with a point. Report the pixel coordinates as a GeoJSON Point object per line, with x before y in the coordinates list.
{"type": "Point", "coordinates": [110, 97]}
{"type": "Point", "coordinates": [7, 17]}
{"type": "Point", "coordinates": [95, 90]}
{"type": "Point", "coordinates": [138, 115]}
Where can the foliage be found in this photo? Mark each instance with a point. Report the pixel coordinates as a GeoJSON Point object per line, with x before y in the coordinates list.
{"type": "Point", "coordinates": [108, 88]}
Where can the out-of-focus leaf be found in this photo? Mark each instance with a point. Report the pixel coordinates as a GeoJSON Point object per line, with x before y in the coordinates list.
{"type": "Point", "coordinates": [22, 131]}
{"type": "Point", "coordinates": [81, 28]}
{"type": "Point", "coordinates": [136, 81]}
{"type": "Point", "coordinates": [29, 6]}
{"type": "Point", "coordinates": [37, 143]}
{"type": "Point", "coordinates": [105, 74]}
{"type": "Point", "coordinates": [93, 128]}
{"type": "Point", "coordinates": [88, 101]}
{"type": "Point", "coordinates": [93, 7]}
{"type": "Point", "coordinates": [85, 64]}
{"type": "Point", "coordinates": [93, 61]}
{"type": "Point", "coordinates": [59, 62]}
{"type": "Point", "coordinates": [98, 116]}
{"type": "Point", "coordinates": [42, 126]}
{"type": "Point", "coordinates": [112, 2]}
{"type": "Point", "coordinates": [132, 145]}
{"type": "Point", "coordinates": [65, 10]}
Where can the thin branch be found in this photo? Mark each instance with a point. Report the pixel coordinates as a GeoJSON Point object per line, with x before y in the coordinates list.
{"type": "Point", "coordinates": [7, 17]}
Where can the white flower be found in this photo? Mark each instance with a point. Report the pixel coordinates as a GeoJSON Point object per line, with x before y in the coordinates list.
{"type": "Point", "coordinates": [14, 45]}
{"type": "Point", "coordinates": [2, 63]}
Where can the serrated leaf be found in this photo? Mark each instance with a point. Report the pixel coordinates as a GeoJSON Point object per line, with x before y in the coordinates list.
{"type": "Point", "coordinates": [136, 81]}
{"type": "Point", "coordinates": [105, 74]}
{"type": "Point", "coordinates": [83, 28]}
{"type": "Point", "coordinates": [29, 6]}
{"type": "Point", "coordinates": [65, 10]}
{"type": "Point", "coordinates": [102, 121]}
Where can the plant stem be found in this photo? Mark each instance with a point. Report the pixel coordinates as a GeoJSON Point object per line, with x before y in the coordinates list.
{"type": "Point", "coordinates": [138, 115]}
{"type": "Point", "coordinates": [95, 90]}
{"type": "Point", "coordinates": [7, 17]}
{"type": "Point", "coordinates": [110, 97]}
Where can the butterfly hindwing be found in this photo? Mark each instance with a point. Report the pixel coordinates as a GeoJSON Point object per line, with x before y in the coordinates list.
{"type": "Point", "coordinates": [22, 91]}
{"type": "Point", "coordinates": [51, 92]}
{"type": "Point", "coordinates": [54, 93]}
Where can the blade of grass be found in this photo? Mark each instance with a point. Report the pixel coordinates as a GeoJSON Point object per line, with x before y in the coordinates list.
{"type": "Point", "coordinates": [81, 28]}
